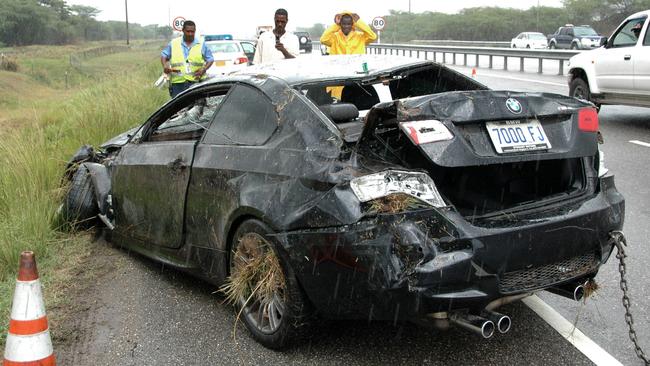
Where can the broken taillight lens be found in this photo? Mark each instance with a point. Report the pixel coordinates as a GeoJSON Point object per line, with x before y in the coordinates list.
{"type": "Point", "coordinates": [415, 184]}
{"type": "Point", "coordinates": [588, 120]}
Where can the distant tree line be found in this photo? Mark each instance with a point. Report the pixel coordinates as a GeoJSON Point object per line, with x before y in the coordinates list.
{"type": "Point", "coordinates": [502, 24]}
{"type": "Point", "coordinates": [27, 22]}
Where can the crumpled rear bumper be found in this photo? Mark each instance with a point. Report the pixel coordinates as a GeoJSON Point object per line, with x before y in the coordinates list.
{"type": "Point", "coordinates": [409, 264]}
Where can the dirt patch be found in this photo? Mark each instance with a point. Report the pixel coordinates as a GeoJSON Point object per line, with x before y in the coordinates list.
{"type": "Point", "coordinates": [73, 294]}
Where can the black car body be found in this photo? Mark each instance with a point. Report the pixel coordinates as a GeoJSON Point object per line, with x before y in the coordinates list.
{"type": "Point", "coordinates": [304, 40]}
{"type": "Point", "coordinates": [477, 227]}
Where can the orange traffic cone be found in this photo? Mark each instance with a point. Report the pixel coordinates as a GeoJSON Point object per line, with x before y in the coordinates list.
{"type": "Point", "coordinates": [28, 341]}
{"type": "Point", "coordinates": [473, 72]}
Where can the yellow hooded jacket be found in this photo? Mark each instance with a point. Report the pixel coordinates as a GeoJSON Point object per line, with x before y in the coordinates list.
{"type": "Point", "coordinates": [354, 43]}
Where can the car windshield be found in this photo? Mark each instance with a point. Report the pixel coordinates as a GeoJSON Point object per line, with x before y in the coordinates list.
{"type": "Point", "coordinates": [223, 47]}
{"type": "Point", "coordinates": [537, 36]}
{"type": "Point", "coordinates": [584, 31]}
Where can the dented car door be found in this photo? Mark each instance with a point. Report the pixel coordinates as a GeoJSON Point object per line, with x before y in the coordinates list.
{"type": "Point", "coordinates": [151, 176]}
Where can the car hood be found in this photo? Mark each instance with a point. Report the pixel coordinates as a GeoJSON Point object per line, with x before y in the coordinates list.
{"type": "Point", "coordinates": [465, 113]}
{"type": "Point", "coordinates": [120, 140]}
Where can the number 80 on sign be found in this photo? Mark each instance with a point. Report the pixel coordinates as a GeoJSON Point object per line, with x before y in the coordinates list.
{"type": "Point", "coordinates": [378, 23]}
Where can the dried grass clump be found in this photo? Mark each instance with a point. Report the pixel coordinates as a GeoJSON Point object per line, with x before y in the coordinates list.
{"type": "Point", "coordinates": [8, 64]}
{"type": "Point", "coordinates": [591, 287]}
{"type": "Point", "coordinates": [394, 203]}
{"type": "Point", "coordinates": [257, 274]}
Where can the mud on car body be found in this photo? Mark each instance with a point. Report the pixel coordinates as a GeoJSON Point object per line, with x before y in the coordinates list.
{"type": "Point", "coordinates": [416, 192]}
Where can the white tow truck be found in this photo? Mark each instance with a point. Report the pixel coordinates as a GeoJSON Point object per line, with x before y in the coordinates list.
{"type": "Point", "coordinates": [619, 71]}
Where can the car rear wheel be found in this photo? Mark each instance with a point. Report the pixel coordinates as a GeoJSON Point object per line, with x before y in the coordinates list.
{"type": "Point", "coordinates": [273, 308]}
{"type": "Point", "coordinates": [79, 206]}
{"type": "Point", "coordinates": [527, 46]}
{"type": "Point", "coordinates": [552, 46]}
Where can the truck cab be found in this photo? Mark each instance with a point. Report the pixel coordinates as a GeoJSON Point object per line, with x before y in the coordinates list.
{"type": "Point", "coordinates": [618, 72]}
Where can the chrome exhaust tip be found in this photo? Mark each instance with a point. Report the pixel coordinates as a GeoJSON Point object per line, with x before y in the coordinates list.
{"type": "Point", "coordinates": [503, 322]}
{"type": "Point", "coordinates": [476, 324]}
{"type": "Point", "coordinates": [574, 291]}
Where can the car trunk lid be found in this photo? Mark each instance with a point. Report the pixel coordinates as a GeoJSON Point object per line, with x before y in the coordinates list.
{"type": "Point", "coordinates": [470, 168]}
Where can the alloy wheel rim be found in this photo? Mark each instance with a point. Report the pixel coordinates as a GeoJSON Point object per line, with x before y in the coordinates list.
{"type": "Point", "coordinates": [265, 315]}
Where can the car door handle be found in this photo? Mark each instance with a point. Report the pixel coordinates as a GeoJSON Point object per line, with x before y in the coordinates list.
{"type": "Point", "coordinates": [627, 57]}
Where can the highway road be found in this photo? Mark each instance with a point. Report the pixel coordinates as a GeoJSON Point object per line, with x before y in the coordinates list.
{"type": "Point", "coordinates": [143, 313]}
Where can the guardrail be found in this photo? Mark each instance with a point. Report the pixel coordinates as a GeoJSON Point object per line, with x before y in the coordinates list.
{"type": "Point", "coordinates": [556, 55]}
{"type": "Point", "coordinates": [449, 42]}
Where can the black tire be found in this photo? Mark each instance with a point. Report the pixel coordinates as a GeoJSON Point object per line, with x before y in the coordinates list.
{"type": "Point", "coordinates": [527, 46]}
{"type": "Point", "coordinates": [579, 88]}
{"type": "Point", "coordinates": [514, 46]}
{"type": "Point", "coordinates": [574, 46]}
{"type": "Point", "coordinates": [552, 46]}
{"type": "Point", "coordinates": [290, 304]}
{"type": "Point", "coordinates": [80, 206]}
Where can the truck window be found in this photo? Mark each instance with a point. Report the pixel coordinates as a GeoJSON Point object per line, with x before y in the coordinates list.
{"type": "Point", "coordinates": [626, 36]}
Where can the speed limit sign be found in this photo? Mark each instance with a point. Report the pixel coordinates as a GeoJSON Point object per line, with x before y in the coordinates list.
{"type": "Point", "coordinates": [177, 24]}
{"type": "Point", "coordinates": [378, 23]}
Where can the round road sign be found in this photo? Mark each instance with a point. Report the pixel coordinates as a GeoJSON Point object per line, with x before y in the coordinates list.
{"type": "Point", "coordinates": [378, 23]}
{"type": "Point", "coordinates": [177, 23]}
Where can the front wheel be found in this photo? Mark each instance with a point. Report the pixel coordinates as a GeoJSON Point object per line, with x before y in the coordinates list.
{"type": "Point", "coordinates": [579, 89]}
{"type": "Point", "coordinates": [79, 205]}
{"type": "Point", "coordinates": [574, 46]}
{"type": "Point", "coordinates": [264, 288]}
{"type": "Point", "coordinates": [552, 46]}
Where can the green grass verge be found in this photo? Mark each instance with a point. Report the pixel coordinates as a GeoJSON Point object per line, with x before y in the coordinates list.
{"type": "Point", "coordinates": [33, 157]}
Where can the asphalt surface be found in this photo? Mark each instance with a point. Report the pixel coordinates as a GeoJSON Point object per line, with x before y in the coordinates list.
{"type": "Point", "coordinates": [143, 313]}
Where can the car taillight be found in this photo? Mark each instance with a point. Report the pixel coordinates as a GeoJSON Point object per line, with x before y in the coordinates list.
{"type": "Point", "coordinates": [241, 60]}
{"type": "Point", "coordinates": [588, 120]}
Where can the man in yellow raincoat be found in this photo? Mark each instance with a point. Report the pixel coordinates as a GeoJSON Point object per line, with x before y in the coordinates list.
{"type": "Point", "coordinates": [348, 35]}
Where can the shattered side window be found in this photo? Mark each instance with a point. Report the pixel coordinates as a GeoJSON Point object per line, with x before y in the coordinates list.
{"type": "Point", "coordinates": [247, 117]}
{"type": "Point", "coordinates": [190, 121]}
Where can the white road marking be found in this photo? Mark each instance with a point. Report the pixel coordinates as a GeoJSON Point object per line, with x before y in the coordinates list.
{"type": "Point", "coordinates": [579, 340]}
{"type": "Point", "coordinates": [640, 143]}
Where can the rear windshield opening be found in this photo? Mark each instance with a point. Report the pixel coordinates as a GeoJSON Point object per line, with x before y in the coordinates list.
{"type": "Point", "coordinates": [480, 190]}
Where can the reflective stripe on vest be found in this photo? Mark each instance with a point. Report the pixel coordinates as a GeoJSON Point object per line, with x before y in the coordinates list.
{"type": "Point", "coordinates": [188, 67]}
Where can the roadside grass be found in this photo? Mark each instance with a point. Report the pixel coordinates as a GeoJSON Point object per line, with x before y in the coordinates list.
{"type": "Point", "coordinates": [32, 159]}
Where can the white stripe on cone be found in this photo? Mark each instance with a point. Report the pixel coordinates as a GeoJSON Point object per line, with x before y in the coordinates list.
{"type": "Point", "coordinates": [28, 301]}
{"type": "Point", "coordinates": [28, 348]}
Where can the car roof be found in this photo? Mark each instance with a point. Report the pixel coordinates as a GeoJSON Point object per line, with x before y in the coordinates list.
{"type": "Point", "coordinates": [223, 41]}
{"type": "Point", "coordinates": [640, 14]}
{"type": "Point", "coordinates": [306, 69]}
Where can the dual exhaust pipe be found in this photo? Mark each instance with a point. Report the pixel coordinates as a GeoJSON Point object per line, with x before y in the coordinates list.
{"type": "Point", "coordinates": [485, 325]}
{"type": "Point", "coordinates": [490, 321]}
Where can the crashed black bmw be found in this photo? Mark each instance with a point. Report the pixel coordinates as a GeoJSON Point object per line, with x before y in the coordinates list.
{"type": "Point", "coordinates": [402, 192]}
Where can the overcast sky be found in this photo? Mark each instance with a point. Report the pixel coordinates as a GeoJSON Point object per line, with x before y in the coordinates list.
{"type": "Point", "coordinates": [240, 17]}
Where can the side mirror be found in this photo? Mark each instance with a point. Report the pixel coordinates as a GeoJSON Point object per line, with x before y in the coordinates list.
{"type": "Point", "coordinates": [605, 42]}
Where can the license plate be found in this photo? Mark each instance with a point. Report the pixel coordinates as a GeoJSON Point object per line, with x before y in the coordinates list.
{"type": "Point", "coordinates": [517, 136]}
{"type": "Point", "coordinates": [220, 63]}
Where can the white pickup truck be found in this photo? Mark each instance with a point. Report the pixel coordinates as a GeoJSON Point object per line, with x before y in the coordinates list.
{"type": "Point", "coordinates": [619, 71]}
